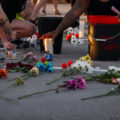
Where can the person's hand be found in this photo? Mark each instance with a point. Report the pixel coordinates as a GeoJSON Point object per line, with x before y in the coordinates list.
{"type": "Point", "coordinates": [51, 35]}
{"type": "Point", "coordinates": [7, 44]}
{"type": "Point", "coordinates": [13, 35]}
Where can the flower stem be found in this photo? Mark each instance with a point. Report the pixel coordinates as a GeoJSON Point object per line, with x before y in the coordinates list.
{"type": "Point", "coordinates": [116, 91]}
{"type": "Point", "coordinates": [25, 75]}
{"type": "Point", "coordinates": [98, 96]}
{"type": "Point", "coordinates": [41, 92]}
{"type": "Point", "coordinates": [14, 84]}
{"type": "Point", "coordinates": [55, 80]}
{"type": "Point", "coordinates": [8, 99]}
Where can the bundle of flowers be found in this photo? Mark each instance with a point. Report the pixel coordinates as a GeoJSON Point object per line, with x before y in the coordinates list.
{"type": "Point", "coordinates": [68, 37]}
{"type": "Point", "coordinates": [74, 39]}
{"type": "Point", "coordinates": [29, 57]}
{"type": "Point", "coordinates": [44, 65]}
{"type": "Point", "coordinates": [20, 80]}
{"type": "Point", "coordinates": [73, 36]}
{"type": "Point", "coordinates": [80, 83]}
{"type": "Point", "coordinates": [75, 68]}
{"type": "Point", "coordinates": [18, 67]}
{"type": "Point", "coordinates": [34, 71]}
{"type": "Point", "coordinates": [3, 73]}
{"type": "Point", "coordinates": [33, 38]}
{"type": "Point", "coordinates": [111, 77]}
{"type": "Point", "coordinates": [86, 58]}
{"type": "Point", "coordinates": [113, 68]}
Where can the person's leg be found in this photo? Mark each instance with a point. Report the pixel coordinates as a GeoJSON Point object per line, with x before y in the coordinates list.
{"type": "Point", "coordinates": [34, 1]}
{"type": "Point", "coordinates": [23, 28]}
{"type": "Point", "coordinates": [56, 11]}
{"type": "Point", "coordinates": [37, 7]}
{"type": "Point", "coordinates": [27, 13]}
{"type": "Point", "coordinates": [44, 7]}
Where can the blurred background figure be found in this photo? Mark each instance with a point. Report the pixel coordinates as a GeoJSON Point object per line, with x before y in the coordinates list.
{"type": "Point", "coordinates": [56, 11]}
{"type": "Point", "coordinates": [37, 6]}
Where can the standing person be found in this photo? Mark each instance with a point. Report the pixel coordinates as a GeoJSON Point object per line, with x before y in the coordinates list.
{"type": "Point", "coordinates": [56, 11]}
{"type": "Point", "coordinates": [10, 27]}
{"type": "Point", "coordinates": [97, 7]}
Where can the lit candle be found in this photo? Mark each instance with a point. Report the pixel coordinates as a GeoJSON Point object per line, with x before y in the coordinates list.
{"type": "Point", "coordinates": [9, 54]}
{"type": "Point", "coordinates": [49, 45]}
{"type": "Point", "coordinates": [82, 29]}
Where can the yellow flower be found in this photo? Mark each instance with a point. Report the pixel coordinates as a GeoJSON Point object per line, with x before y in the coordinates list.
{"type": "Point", "coordinates": [20, 81]}
{"type": "Point", "coordinates": [86, 58]}
{"type": "Point", "coordinates": [91, 63]}
{"type": "Point", "coordinates": [34, 71]}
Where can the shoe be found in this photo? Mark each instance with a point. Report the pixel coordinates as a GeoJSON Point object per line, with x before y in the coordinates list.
{"type": "Point", "coordinates": [57, 12]}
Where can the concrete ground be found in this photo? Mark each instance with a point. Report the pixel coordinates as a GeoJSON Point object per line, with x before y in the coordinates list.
{"type": "Point", "coordinates": [66, 105]}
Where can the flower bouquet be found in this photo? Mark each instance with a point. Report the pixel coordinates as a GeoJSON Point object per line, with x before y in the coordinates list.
{"type": "Point", "coordinates": [30, 58]}
{"type": "Point", "coordinates": [111, 77]}
{"type": "Point", "coordinates": [34, 71]}
{"type": "Point", "coordinates": [18, 67]}
{"type": "Point", "coordinates": [3, 73]}
{"type": "Point", "coordinates": [80, 83]}
{"type": "Point", "coordinates": [86, 58]}
{"type": "Point", "coordinates": [75, 68]}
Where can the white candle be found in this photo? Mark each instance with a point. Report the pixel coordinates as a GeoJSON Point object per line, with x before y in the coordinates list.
{"type": "Point", "coordinates": [49, 45]}
{"type": "Point", "coordinates": [82, 29]}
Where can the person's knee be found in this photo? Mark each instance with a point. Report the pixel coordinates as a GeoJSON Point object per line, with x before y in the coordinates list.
{"type": "Point", "coordinates": [31, 29]}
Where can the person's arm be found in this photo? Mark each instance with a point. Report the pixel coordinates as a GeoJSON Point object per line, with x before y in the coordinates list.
{"type": "Point", "coordinates": [79, 7]}
{"type": "Point", "coordinates": [5, 29]}
{"type": "Point", "coordinates": [4, 22]}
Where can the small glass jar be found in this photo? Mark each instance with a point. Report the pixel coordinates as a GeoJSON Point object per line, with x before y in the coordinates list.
{"type": "Point", "coordinates": [48, 56]}
{"type": "Point", "coordinates": [11, 54]}
{"type": "Point", "coordinates": [3, 58]}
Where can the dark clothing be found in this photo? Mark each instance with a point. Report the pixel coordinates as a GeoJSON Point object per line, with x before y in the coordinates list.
{"type": "Point", "coordinates": [103, 8]}
{"type": "Point", "coordinates": [11, 7]}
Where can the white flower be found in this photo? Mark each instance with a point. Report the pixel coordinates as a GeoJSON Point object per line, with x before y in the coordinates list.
{"type": "Point", "coordinates": [118, 80]}
{"type": "Point", "coordinates": [34, 71]}
{"type": "Point", "coordinates": [84, 66]}
{"type": "Point", "coordinates": [69, 30]}
{"type": "Point", "coordinates": [114, 68]}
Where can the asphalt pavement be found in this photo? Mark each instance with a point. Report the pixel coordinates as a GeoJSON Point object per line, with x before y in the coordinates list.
{"type": "Point", "coordinates": [66, 105]}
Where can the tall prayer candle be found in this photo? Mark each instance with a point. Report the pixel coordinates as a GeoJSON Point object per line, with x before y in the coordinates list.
{"type": "Point", "coordinates": [49, 45]}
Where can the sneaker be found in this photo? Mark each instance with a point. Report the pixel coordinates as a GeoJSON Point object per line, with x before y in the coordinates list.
{"type": "Point", "coordinates": [57, 12]}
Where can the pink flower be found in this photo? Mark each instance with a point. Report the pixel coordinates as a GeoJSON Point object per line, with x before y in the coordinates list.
{"type": "Point", "coordinates": [79, 78]}
{"type": "Point", "coordinates": [82, 84]}
{"type": "Point", "coordinates": [72, 84]}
